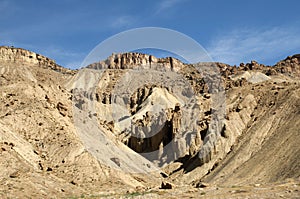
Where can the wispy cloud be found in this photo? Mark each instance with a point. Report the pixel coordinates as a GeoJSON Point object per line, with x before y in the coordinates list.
{"type": "Point", "coordinates": [66, 58]}
{"type": "Point", "coordinates": [244, 45]}
{"type": "Point", "coordinates": [122, 21]}
{"type": "Point", "coordinates": [167, 4]}
{"type": "Point", "coordinates": [73, 64]}
{"type": "Point", "coordinates": [7, 8]}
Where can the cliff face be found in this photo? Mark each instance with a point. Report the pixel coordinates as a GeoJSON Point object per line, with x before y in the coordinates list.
{"type": "Point", "coordinates": [40, 144]}
{"type": "Point", "coordinates": [132, 60]}
{"type": "Point", "coordinates": [290, 65]}
{"type": "Point", "coordinates": [19, 55]}
{"type": "Point", "coordinates": [186, 143]}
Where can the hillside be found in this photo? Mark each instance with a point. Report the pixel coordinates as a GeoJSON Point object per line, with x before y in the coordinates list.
{"type": "Point", "coordinates": [136, 125]}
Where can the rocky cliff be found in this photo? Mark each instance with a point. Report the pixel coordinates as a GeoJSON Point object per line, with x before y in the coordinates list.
{"type": "Point", "coordinates": [186, 143]}
{"type": "Point", "coordinates": [167, 113]}
{"type": "Point", "coordinates": [132, 60]}
{"type": "Point", "coordinates": [19, 55]}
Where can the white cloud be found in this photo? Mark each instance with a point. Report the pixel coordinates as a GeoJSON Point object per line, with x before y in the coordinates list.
{"type": "Point", "coordinates": [122, 21]}
{"type": "Point", "coordinates": [73, 64]}
{"type": "Point", "coordinates": [166, 4]}
{"type": "Point", "coordinates": [56, 51]}
{"type": "Point", "coordinates": [261, 45]}
{"type": "Point", "coordinates": [66, 58]}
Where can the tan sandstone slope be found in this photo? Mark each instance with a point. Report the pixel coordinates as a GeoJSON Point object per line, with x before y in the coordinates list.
{"type": "Point", "coordinates": [70, 133]}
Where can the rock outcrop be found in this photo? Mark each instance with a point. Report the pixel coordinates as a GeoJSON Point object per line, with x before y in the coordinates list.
{"type": "Point", "coordinates": [144, 137]}
{"type": "Point", "coordinates": [290, 65]}
{"type": "Point", "coordinates": [19, 55]}
{"type": "Point", "coordinates": [183, 143]}
{"type": "Point", "coordinates": [134, 60]}
{"type": "Point", "coordinates": [44, 105]}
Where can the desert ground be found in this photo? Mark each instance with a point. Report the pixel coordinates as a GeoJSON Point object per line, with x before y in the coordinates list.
{"type": "Point", "coordinates": [234, 133]}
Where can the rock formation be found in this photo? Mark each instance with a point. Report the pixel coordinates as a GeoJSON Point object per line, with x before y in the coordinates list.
{"type": "Point", "coordinates": [43, 106]}
{"type": "Point", "coordinates": [132, 60]}
{"type": "Point", "coordinates": [290, 65]}
{"type": "Point", "coordinates": [19, 55]}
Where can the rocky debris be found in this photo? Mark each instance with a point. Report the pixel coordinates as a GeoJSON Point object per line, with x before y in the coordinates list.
{"type": "Point", "coordinates": [138, 97]}
{"type": "Point", "coordinates": [116, 161]}
{"type": "Point", "coordinates": [37, 137]}
{"type": "Point", "coordinates": [253, 65]}
{"type": "Point", "coordinates": [49, 169]}
{"type": "Point", "coordinates": [195, 78]}
{"type": "Point", "coordinates": [164, 175]}
{"type": "Point", "coordinates": [63, 110]}
{"type": "Point", "coordinates": [201, 185]}
{"type": "Point", "coordinates": [79, 98]}
{"type": "Point", "coordinates": [166, 185]}
{"type": "Point", "coordinates": [15, 174]}
{"type": "Point", "coordinates": [240, 82]}
{"type": "Point", "coordinates": [248, 77]}
{"type": "Point", "coordinates": [290, 65]}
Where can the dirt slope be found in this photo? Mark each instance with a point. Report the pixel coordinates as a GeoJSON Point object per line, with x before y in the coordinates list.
{"type": "Point", "coordinates": [254, 152]}
{"type": "Point", "coordinates": [41, 153]}
{"type": "Point", "coordinates": [268, 149]}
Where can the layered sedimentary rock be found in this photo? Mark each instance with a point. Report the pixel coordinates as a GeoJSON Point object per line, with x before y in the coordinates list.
{"type": "Point", "coordinates": [133, 60]}
{"type": "Point", "coordinates": [202, 83]}
{"type": "Point", "coordinates": [19, 55]}
{"type": "Point", "coordinates": [39, 142]}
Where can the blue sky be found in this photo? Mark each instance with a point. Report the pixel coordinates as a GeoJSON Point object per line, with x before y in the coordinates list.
{"type": "Point", "coordinates": [232, 31]}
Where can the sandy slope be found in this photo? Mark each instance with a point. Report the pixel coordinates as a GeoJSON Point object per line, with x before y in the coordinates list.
{"type": "Point", "coordinates": [43, 155]}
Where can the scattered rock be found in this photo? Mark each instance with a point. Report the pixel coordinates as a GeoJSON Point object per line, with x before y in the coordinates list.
{"type": "Point", "coordinates": [14, 174]}
{"type": "Point", "coordinates": [164, 174]}
{"type": "Point", "coordinates": [201, 185]}
{"type": "Point", "coordinates": [73, 183]}
{"type": "Point", "coordinates": [62, 109]}
{"type": "Point", "coordinates": [55, 141]}
{"type": "Point", "coordinates": [116, 161]}
{"type": "Point", "coordinates": [166, 185]}
{"type": "Point", "coordinates": [49, 169]}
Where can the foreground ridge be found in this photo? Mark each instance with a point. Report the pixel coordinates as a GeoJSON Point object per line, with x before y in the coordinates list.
{"type": "Point", "coordinates": [20, 55]}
